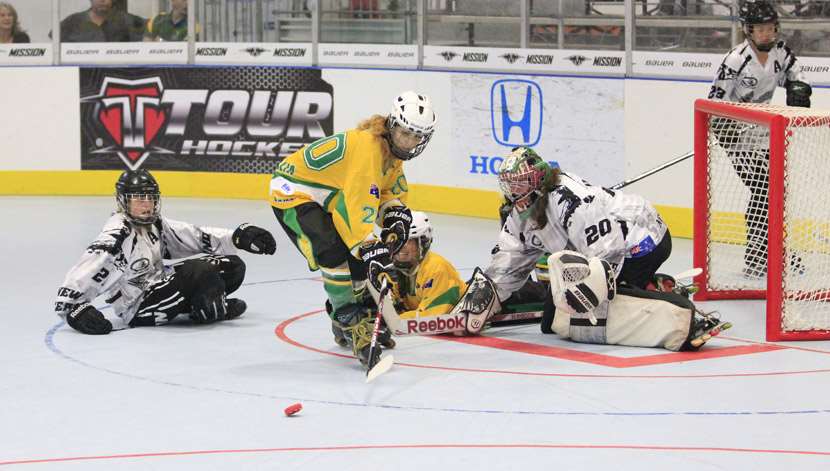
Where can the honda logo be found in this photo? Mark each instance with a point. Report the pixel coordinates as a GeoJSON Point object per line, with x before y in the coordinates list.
{"type": "Point", "coordinates": [516, 112]}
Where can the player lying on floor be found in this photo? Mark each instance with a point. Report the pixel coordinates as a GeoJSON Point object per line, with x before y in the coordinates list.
{"type": "Point", "coordinates": [622, 238]}
{"type": "Point", "coordinates": [124, 264]}
{"type": "Point", "coordinates": [426, 289]}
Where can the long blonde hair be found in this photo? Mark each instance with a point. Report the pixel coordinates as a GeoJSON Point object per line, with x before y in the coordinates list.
{"type": "Point", "coordinates": [376, 125]}
{"type": "Point", "coordinates": [16, 23]}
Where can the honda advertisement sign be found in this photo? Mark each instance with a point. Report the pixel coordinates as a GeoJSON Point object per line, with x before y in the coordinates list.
{"type": "Point", "coordinates": [572, 123]}
{"type": "Point", "coordinates": [231, 119]}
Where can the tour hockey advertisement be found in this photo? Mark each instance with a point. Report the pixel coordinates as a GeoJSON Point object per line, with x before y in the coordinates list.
{"type": "Point", "coordinates": [230, 119]}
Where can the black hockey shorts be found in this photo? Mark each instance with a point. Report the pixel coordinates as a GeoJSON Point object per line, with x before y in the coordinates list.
{"type": "Point", "coordinates": [172, 296]}
{"type": "Point", "coordinates": [639, 272]}
{"type": "Point", "coordinates": [312, 231]}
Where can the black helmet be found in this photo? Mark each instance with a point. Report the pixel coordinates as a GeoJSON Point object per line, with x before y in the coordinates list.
{"type": "Point", "coordinates": [138, 184]}
{"type": "Point", "coordinates": [757, 12]}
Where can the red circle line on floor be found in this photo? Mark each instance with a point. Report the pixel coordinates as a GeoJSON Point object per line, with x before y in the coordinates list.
{"type": "Point", "coordinates": [280, 332]}
{"type": "Point", "coordinates": [419, 446]}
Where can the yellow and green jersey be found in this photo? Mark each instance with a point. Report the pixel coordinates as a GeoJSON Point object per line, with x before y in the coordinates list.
{"type": "Point", "coordinates": [348, 176]}
{"type": "Point", "coordinates": [436, 289]}
{"type": "Point", "coordinates": [163, 27]}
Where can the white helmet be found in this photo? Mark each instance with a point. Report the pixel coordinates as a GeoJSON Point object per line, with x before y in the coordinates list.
{"type": "Point", "coordinates": [421, 232]}
{"type": "Point", "coordinates": [413, 112]}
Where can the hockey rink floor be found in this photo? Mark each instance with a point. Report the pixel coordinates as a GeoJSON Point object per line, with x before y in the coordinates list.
{"type": "Point", "coordinates": [183, 397]}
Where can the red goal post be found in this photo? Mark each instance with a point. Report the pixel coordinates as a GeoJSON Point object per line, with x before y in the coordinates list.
{"type": "Point", "coordinates": [762, 212]}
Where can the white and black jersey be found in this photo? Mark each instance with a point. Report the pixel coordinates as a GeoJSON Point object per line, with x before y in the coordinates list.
{"type": "Point", "coordinates": [589, 219]}
{"type": "Point", "coordinates": [125, 259]}
{"type": "Point", "coordinates": [742, 78]}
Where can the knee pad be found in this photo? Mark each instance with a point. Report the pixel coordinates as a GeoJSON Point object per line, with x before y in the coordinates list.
{"type": "Point", "coordinates": [232, 271]}
{"type": "Point", "coordinates": [328, 254]}
{"type": "Point", "coordinates": [206, 290]}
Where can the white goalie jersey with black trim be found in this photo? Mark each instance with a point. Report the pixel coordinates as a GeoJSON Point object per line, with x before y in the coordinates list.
{"type": "Point", "coordinates": [124, 260]}
{"type": "Point", "coordinates": [591, 220]}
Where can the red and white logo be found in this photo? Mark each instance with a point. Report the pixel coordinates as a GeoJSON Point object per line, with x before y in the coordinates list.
{"type": "Point", "coordinates": [130, 111]}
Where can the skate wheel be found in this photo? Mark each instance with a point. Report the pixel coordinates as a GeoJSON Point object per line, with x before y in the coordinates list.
{"type": "Point", "coordinates": [698, 342]}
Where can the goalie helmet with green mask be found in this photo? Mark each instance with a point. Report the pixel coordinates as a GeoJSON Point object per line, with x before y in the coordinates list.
{"type": "Point", "coordinates": [138, 196]}
{"type": "Point", "coordinates": [523, 178]}
{"type": "Point", "coordinates": [408, 259]}
{"type": "Point", "coordinates": [412, 120]}
{"type": "Point", "coordinates": [753, 13]}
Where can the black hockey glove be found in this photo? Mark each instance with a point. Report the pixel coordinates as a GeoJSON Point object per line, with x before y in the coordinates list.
{"type": "Point", "coordinates": [254, 239]}
{"type": "Point", "coordinates": [88, 320]}
{"type": "Point", "coordinates": [395, 232]}
{"type": "Point", "coordinates": [798, 93]}
{"type": "Point", "coordinates": [375, 255]}
{"type": "Point", "coordinates": [208, 308]}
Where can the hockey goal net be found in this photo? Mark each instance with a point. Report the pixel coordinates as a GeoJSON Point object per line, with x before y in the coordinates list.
{"type": "Point", "coordinates": [762, 212]}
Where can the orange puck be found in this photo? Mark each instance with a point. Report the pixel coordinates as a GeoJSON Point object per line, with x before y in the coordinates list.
{"type": "Point", "coordinates": [293, 409]}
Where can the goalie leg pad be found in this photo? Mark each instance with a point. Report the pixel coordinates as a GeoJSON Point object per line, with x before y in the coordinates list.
{"type": "Point", "coordinates": [479, 302]}
{"type": "Point", "coordinates": [583, 329]}
{"type": "Point", "coordinates": [640, 318]}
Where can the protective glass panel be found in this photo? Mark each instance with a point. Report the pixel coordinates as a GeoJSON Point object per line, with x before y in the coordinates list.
{"type": "Point", "coordinates": [492, 23]}
{"type": "Point", "coordinates": [577, 24]}
{"type": "Point", "coordinates": [250, 20]}
{"type": "Point", "coordinates": [369, 21]}
{"type": "Point", "coordinates": [684, 25]}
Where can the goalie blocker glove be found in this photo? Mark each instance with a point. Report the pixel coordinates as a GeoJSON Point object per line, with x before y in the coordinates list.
{"type": "Point", "coordinates": [88, 320]}
{"type": "Point", "coordinates": [396, 224]}
{"type": "Point", "coordinates": [798, 93]}
{"type": "Point", "coordinates": [254, 239]}
{"type": "Point", "coordinates": [375, 254]}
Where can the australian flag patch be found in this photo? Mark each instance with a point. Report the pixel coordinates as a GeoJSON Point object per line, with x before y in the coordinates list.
{"type": "Point", "coordinates": [643, 248]}
{"type": "Point", "coordinates": [374, 191]}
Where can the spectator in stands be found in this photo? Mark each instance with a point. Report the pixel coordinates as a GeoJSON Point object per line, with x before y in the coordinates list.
{"type": "Point", "coordinates": [10, 31]}
{"type": "Point", "coordinates": [812, 9]}
{"type": "Point", "coordinates": [170, 26]}
{"type": "Point", "coordinates": [98, 24]}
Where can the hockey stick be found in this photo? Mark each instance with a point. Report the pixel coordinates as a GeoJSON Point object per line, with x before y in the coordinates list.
{"type": "Point", "coordinates": [385, 363]}
{"type": "Point", "coordinates": [515, 317]}
{"type": "Point", "coordinates": [659, 168]}
{"type": "Point", "coordinates": [690, 273]}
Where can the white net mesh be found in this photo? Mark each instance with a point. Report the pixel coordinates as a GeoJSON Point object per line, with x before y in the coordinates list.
{"type": "Point", "coordinates": [738, 203]}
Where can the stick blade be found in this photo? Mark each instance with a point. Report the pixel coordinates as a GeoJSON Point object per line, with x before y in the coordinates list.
{"type": "Point", "coordinates": [384, 365]}
{"type": "Point", "coordinates": [690, 273]}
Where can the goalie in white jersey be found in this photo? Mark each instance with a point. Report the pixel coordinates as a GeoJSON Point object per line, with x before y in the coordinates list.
{"type": "Point", "coordinates": [124, 264]}
{"type": "Point", "coordinates": [598, 238]}
{"type": "Point", "coordinates": [750, 72]}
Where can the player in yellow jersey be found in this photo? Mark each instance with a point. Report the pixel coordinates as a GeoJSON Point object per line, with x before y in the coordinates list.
{"type": "Point", "coordinates": [329, 195]}
{"type": "Point", "coordinates": [427, 290]}
{"type": "Point", "coordinates": [427, 285]}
